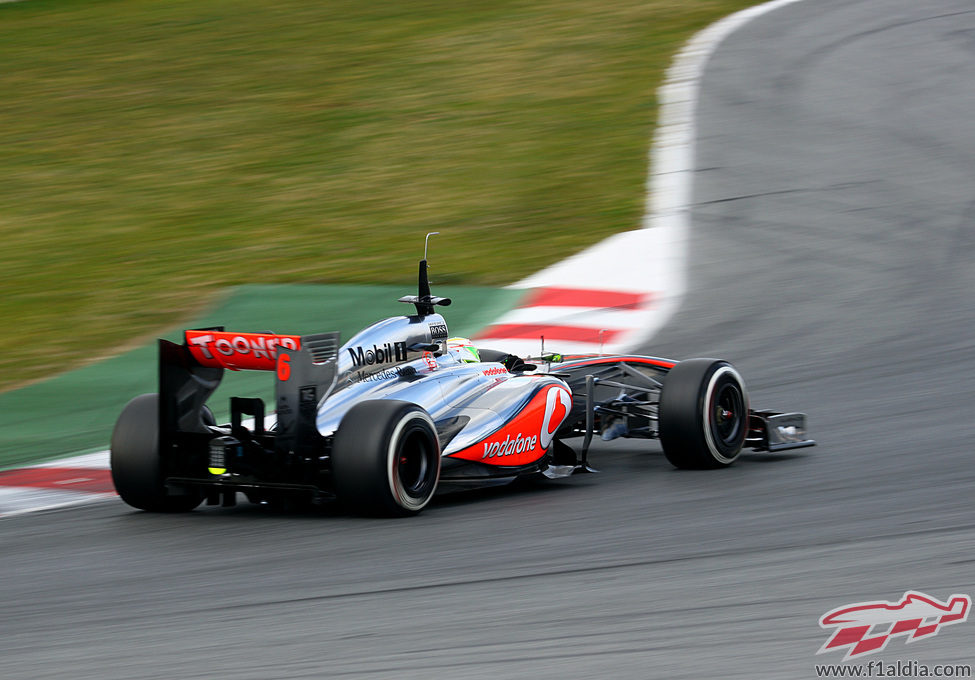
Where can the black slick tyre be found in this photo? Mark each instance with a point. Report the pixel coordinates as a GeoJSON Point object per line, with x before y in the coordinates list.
{"type": "Point", "coordinates": [136, 466]}
{"type": "Point", "coordinates": [385, 458]}
{"type": "Point", "coordinates": [703, 414]}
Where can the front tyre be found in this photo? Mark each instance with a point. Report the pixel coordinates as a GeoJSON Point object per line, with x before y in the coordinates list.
{"type": "Point", "coordinates": [386, 458]}
{"type": "Point", "coordinates": [703, 414]}
{"type": "Point", "coordinates": [136, 467]}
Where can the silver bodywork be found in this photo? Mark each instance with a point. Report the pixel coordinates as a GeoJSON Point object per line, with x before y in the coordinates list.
{"type": "Point", "coordinates": [387, 361]}
{"type": "Point", "coordinates": [380, 421]}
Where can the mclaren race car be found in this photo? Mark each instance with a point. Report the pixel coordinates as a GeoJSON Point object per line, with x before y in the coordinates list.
{"type": "Point", "coordinates": [402, 410]}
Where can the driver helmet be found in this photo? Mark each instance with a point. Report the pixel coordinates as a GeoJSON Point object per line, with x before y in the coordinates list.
{"type": "Point", "coordinates": [463, 349]}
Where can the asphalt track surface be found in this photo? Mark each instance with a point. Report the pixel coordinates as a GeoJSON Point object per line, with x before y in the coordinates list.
{"type": "Point", "coordinates": [833, 238]}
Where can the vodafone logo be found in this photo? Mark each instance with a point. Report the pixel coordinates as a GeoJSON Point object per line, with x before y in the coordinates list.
{"type": "Point", "coordinates": [510, 446]}
{"type": "Point", "coordinates": [528, 435]}
{"type": "Point", "coordinates": [558, 403]}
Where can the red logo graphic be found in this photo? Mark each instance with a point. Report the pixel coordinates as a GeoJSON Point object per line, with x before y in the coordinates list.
{"type": "Point", "coordinates": [558, 403]}
{"type": "Point", "coordinates": [866, 627]}
{"type": "Point", "coordinates": [236, 351]}
{"type": "Point", "coordinates": [528, 435]}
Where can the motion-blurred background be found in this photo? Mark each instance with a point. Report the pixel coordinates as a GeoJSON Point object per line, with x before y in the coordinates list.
{"type": "Point", "coordinates": [154, 153]}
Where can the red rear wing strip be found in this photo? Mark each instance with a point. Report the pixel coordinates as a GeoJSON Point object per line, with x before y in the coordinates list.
{"type": "Point", "coordinates": [239, 351]}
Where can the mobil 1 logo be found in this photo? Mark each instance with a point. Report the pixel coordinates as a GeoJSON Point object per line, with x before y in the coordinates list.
{"type": "Point", "coordinates": [386, 353]}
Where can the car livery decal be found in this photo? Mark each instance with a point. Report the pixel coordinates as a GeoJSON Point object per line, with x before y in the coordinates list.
{"type": "Point", "coordinates": [237, 351]}
{"type": "Point", "coordinates": [526, 438]}
{"type": "Point", "coordinates": [386, 353]}
{"type": "Point", "coordinates": [572, 360]}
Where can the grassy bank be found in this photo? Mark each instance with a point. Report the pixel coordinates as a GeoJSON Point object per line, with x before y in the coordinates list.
{"type": "Point", "coordinates": [152, 153]}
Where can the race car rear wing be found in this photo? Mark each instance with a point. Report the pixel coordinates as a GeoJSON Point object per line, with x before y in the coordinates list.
{"type": "Point", "coordinates": [238, 351]}
{"type": "Point", "coordinates": [305, 372]}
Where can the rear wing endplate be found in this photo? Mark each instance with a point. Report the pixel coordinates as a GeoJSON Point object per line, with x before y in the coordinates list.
{"type": "Point", "coordinates": [304, 377]}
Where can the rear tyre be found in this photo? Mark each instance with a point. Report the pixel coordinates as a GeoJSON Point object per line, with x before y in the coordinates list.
{"type": "Point", "coordinates": [136, 466]}
{"type": "Point", "coordinates": [703, 414]}
{"type": "Point", "coordinates": [386, 458]}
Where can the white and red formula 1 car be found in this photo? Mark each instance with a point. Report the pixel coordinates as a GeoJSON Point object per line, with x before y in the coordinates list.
{"type": "Point", "coordinates": [399, 411]}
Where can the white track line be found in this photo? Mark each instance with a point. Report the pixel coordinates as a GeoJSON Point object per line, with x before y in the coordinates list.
{"type": "Point", "coordinates": [96, 461]}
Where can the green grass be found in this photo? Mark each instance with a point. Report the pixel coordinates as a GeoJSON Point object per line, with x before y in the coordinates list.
{"type": "Point", "coordinates": [154, 152]}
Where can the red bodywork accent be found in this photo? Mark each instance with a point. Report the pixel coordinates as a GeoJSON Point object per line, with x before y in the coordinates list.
{"type": "Point", "coordinates": [527, 437]}
{"type": "Point", "coordinates": [593, 359]}
{"type": "Point", "coordinates": [239, 351]}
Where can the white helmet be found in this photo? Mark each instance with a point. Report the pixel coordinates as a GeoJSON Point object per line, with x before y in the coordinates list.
{"type": "Point", "coordinates": [463, 349]}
